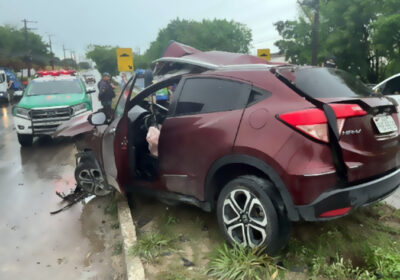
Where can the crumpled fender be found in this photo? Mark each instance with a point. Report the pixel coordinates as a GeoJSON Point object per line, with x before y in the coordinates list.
{"type": "Point", "coordinates": [75, 126]}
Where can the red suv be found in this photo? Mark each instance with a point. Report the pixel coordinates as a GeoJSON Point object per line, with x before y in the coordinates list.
{"type": "Point", "coordinates": [261, 144]}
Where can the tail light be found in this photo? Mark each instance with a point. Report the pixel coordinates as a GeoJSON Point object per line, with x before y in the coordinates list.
{"type": "Point", "coordinates": [313, 122]}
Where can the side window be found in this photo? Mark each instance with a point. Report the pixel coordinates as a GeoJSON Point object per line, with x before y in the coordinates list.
{"type": "Point", "coordinates": [207, 95]}
{"type": "Point", "coordinates": [2, 78]}
{"type": "Point", "coordinates": [119, 109]}
{"type": "Point", "coordinates": [392, 87]}
{"type": "Point", "coordinates": [257, 95]}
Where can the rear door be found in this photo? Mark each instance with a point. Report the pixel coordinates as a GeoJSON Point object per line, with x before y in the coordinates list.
{"type": "Point", "coordinates": [202, 126]}
{"type": "Point", "coordinates": [368, 129]}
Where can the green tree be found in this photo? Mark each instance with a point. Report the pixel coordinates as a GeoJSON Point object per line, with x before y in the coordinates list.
{"type": "Point", "coordinates": [105, 58]}
{"type": "Point", "coordinates": [349, 30]}
{"type": "Point", "coordinates": [206, 35]}
{"type": "Point", "coordinates": [68, 63]}
{"type": "Point", "coordinates": [14, 53]}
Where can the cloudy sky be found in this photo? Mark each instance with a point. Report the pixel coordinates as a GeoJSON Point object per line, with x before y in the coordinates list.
{"type": "Point", "coordinates": [135, 23]}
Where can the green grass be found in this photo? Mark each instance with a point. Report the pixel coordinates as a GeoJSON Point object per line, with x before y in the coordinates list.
{"type": "Point", "coordinates": [117, 249]}
{"type": "Point", "coordinates": [237, 262]}
{"type": "Point", "coordinates": [341, 249]}
{"type": "Point", "coordinates": [150, 246]}
{"type": "Point", "coordinates": [112, 208]}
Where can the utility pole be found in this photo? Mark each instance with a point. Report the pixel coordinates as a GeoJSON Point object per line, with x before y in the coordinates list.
{"type": "Point", "coordinates": [51, 52]}
{"type": "Point", "coordinates": [64, 49]}
{"type": "Point", "coordinates": [28, 55]}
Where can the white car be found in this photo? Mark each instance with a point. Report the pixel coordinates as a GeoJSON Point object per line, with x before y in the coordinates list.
{"type": "Point", "coordinates": [390, 87]}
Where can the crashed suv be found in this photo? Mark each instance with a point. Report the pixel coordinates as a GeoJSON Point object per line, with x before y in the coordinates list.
{"type": "Point", "coordinates": [260, 144]}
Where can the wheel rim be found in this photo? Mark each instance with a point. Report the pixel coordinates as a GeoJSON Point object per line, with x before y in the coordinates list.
{"type": "Point", "coordinates": [93, 182]}
{"type": "Point", "coordinates": [244, 218]}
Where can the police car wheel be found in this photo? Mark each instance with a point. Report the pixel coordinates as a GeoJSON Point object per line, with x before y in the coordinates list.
{"type": "Point", "coordinates": [25, 140]}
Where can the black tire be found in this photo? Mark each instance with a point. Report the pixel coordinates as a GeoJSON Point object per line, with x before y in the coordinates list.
{"type": "Point", "coordinates": [90, 178]}
{"type": "Point", "coordinates": [25, 140]}
{"type": "Point", "coordinates": [259, 222]}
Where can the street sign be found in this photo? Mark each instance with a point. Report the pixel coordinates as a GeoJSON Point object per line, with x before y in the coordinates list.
{"type": "Point", "coordinates": [125, 59]}
{"type": "Point", "coordinates": [264, 53]}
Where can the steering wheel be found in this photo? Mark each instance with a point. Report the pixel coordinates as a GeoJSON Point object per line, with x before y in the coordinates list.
{"type": "Point", "coordinates": [161, 107]}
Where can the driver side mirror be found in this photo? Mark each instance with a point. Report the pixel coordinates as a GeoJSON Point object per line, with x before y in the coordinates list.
{"type": "Point", "coordinates": [90, 90]}
{"type": "Point", "coordinates": [98, 118]}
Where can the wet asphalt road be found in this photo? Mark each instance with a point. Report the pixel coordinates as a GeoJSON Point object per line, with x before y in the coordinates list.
{"type": "Point", "coordinates": [34, 244]}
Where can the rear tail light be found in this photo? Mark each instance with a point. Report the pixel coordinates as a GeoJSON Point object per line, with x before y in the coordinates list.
{"type": "Point", "coordinates": [313, 122]}
{"type": "Point", "coordinates": [336, 212]}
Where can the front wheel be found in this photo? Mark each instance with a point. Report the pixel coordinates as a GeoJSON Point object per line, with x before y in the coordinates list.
{"type": "Point", "coordinates": [246, 214]}
{"type": "Point", "coordinates": [91, 179]}
{"type": "Point", "coordinates": [25, 140]}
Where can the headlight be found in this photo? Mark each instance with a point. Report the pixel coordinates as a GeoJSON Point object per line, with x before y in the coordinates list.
{"type": "Point", "coordinates": [80, 108]}
{"type": "Point", "coordinates": [22, 112]}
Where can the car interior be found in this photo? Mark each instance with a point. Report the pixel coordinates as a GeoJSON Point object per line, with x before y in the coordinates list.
{"type": "Point", "coordinates": [145, 112]}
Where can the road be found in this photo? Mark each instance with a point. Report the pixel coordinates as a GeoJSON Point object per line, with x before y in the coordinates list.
{"type": "Point", "coordinates": [36, 245]}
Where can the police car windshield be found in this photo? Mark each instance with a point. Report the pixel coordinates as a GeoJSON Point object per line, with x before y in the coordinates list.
{"type": "Point", "coordinates": [54, 87]}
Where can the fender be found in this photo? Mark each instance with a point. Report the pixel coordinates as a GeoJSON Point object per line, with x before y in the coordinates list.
{"type": "Point", "coordinates": [260, 165]}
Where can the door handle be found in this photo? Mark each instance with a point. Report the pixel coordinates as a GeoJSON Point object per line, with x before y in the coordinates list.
{"type": "Point", "coordinates": [112, 130]}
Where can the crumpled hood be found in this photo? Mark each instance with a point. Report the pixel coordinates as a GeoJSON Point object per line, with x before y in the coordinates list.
{"type": "Point", "coordinates": [75, 126]}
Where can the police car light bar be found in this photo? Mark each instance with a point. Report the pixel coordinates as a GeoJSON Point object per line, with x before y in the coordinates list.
{"type": "Point", "coordinates": [56, 73]}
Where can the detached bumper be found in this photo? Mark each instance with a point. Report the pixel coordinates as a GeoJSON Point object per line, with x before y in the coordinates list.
{"type": "Point", "coordinates": [354, 197]}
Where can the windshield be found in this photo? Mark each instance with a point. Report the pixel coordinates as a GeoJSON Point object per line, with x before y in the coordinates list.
{"type": "Point", "coordinates": [54, 87]}
{"type": "Point", "coordinates": [328, 82]}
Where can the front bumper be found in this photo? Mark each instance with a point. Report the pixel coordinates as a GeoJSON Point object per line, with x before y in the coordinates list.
{"type": "Point", "coordinates": [354, 197]}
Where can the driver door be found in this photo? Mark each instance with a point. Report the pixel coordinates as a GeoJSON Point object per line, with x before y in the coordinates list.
{"type": "Point", "coordinates": [115, 143]}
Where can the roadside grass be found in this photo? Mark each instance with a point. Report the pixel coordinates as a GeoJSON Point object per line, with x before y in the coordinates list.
{"type": "Point", "coordinates": [237, 262]}
{"type": "Point", "coordinates": [360, 246]}
{"type": "Point", "coordinates": [150, 246]}
{"type": "Point", "coordinates": [117, 248]}
{"type": "Point", "coordinates": [112, 207]}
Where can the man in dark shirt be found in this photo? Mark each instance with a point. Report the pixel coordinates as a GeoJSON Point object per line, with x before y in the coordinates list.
{"type": "Point", "coordinates": [106, 93]}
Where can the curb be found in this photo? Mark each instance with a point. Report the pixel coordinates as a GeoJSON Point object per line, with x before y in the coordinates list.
{"type": "Point", "coordinates": [134, 267]}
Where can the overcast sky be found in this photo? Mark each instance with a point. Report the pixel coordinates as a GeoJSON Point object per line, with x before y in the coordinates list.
{"type": "Point", "coordinates": [135, 23]}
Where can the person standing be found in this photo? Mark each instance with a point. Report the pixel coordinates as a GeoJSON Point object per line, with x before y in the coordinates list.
{"type": "Point", "coordinates": [106, 93]}
{"type": "Point", "coordinates": [123, 80]}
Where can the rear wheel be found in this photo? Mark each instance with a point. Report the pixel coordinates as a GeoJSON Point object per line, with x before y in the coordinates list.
{"type": "Point", "coordinates": [90, 178]}
{"type": "Point", "coordinates": [246, 214]}
{"type": "Point", "coordinates": [25, 140]}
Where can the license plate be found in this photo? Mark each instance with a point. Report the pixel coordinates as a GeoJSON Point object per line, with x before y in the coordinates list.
{"type": "Point", "coordinates": [385, 124]}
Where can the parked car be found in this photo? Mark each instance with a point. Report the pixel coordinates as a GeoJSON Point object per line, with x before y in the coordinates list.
{"type": "Point", "coordinates": [260, 144]}
{"type": "Point", "coordinates": [3, 87]}
{"type": "Point", "coordinates": [49, 100]}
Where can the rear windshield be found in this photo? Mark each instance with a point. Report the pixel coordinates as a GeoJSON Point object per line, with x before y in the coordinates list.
{"type": "Point", "coordinates": [328, 82]}
{"type": "Point", "coordinates": [54, 87]}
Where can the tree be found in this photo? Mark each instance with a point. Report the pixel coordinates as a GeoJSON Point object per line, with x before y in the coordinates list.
{"type": "Point", "coordinates": [348, 30]}
{"type": "Point", "coordinates": [14, 52]}
{"type": "Point", "coordinates": [105, 58]}
{"type": "Point", "coordinates": [68, 63]}
{"type": "Point", "coordinates": [206, 35]}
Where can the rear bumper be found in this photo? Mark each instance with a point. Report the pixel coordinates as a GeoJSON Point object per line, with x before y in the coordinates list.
{"type": "Point", "coordinates": [354, 197]}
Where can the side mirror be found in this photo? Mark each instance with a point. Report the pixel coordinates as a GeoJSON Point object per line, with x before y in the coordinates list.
{"type": "Point", "coordinates": [98, 118]}
{"type": "Point", "coordinates": [90, 90]}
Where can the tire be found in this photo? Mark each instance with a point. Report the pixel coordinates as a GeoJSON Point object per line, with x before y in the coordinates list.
{"type": "Point", "coordinates": [25, 140]}
{"type": "Point", "coordinates": [90, 178]}
{"type": "Point", "coordinates": [246, 215]}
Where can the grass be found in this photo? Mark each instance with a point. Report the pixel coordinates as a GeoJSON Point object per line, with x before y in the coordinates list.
{"type": "Point", "coordinates": [341, 249]}
{"type": "Point", "coordinates": [117, 249]}
{"type": "Point", "coordinates": [150, 246]}
{"type": "Point", "coordinates": [112, 208]}
{"type": "Point", "coordinates": [237, 262]}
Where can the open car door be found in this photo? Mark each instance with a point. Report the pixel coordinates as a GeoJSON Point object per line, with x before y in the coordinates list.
{"type": "Point", "coordinates": [115, 143]}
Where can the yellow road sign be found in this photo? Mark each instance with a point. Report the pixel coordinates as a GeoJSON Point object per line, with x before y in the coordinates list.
{"type": "Point", "coordinates": [264, 53]}
{"type": "Point", "coordinates": [125, 59]}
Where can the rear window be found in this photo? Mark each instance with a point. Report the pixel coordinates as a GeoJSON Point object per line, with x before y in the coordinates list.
{"type": "Point", "coordinates": [328, 82]}
{"type": "Point", "coordinates": [54, 87]}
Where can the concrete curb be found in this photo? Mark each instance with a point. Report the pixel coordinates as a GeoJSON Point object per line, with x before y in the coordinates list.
{"type": "Point", "coordinates": [134, 267]}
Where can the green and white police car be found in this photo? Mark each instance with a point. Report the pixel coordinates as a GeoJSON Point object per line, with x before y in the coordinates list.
{"type": "Point", "coordinates": [49, 100]}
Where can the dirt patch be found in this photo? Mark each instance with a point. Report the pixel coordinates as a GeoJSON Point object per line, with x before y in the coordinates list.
{"type": "Point", "coordinates": [100, 226]}
{"type": "Point", "coordinates": [193, 234]}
